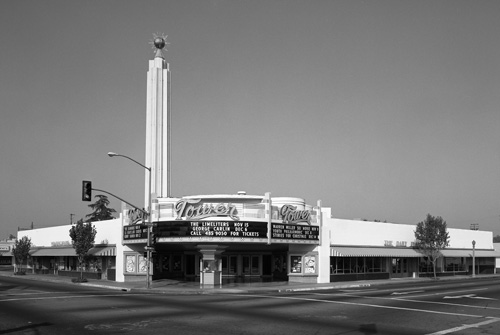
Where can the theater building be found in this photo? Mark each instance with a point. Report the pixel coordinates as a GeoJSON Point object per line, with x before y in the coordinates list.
{"type": "Point", "coordinates": [216, 238]}
{"type": "Point", "coordinates": [221, 238]}
{"type": "Point", "coordinates": [240, 237]}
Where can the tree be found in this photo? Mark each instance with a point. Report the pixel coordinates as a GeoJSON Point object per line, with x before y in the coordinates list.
{"type": "Point", "coordinates": [431, 237]}
{"type": "Point", "coordinates": [100, 208]}
{"type": "Point", "coordinates": [82, 237]}
{"type": "Point", "coordinates": [21, 251]}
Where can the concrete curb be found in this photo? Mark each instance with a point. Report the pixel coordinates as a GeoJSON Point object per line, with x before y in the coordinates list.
{"type": "Point", "coordinates": [323, 288]}
{"type": "Point", "coordinates": [179, 289]}
{"type": "Point", "coordinates": [109, 287]}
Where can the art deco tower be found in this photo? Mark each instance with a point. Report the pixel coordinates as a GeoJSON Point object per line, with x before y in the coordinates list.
{"type": "Point", "coordinates": [158, 122]}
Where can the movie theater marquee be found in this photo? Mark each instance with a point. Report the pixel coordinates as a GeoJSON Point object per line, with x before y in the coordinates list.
{"type": "Point", "coordinates": [192, 223]}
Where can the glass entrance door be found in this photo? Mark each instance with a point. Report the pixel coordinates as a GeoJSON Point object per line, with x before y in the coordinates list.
{"type": "Point", "coordinates": [251, 265]}
{"type": "Point", "coordinates": [399, 267]}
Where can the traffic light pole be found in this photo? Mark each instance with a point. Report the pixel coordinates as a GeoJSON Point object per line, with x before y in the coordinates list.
{"type": "Point", "coordinates": [149, 225]}
{"type": "Point", "coordinates": [150, 212]}
{"type": "Point", "coordinates": [125, 201]}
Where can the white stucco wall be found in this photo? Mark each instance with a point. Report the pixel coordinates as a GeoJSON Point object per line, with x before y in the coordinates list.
{"type": "Point", "coordinates": [109, 231]}
{"type": "Point", "coordinates": [324, 248]}
{"type": "Point", "coordinates": [368, 233]}
{"type": "Point", "coordinates": [462, 239]}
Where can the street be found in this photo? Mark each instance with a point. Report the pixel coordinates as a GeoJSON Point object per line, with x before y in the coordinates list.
{"type": "Point", "coordinates": [434, 307]}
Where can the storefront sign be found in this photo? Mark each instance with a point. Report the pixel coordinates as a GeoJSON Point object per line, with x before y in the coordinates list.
{"type": "Point", "coordinates": [294, 232]}
{"type": "Point", "coordinates": [60, 243]}
{"type": "Point", "coordinates": [4, 248]}
{"type": "Point", "coordinates": [216, 229]}
{"type": "Point", "coordinates": [187, 210]}
{"type": "Point", "coordinates": [133, 232]}
{"type": "Point", "coordinates": [398, 244]}
{"type": "Point", "coordinates": [290, 214]}
{"type": "Point", "coordinates": [210, 229]}
{"type": "Point", "coordinates": [135, 215]}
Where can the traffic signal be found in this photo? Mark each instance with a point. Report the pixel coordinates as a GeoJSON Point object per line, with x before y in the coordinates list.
{"type": "Point", "coordinates": [86, 190]}
{"type": "Point", "coordinates": [152, 242]}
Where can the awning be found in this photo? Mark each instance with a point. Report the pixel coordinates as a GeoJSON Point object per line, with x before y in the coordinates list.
{"type": "Point", "coordinates": [54, 252]}
{"type": "Point", "coordinates": [373, 252]}
{"type": "Point", "coordinates": [70, 251]}
{"type": "Point", "coordinates": [468, 253]}
{"type": "Point", "coordinates": [103, 251]}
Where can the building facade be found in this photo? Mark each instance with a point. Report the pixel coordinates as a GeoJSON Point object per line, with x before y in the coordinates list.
{"type": "Point", "coordinates": [219, 239]}
{"type": "Point", "coordinates": [6, 257]}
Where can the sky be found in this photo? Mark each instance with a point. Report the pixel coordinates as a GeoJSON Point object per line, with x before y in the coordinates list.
{"type": "Point", "coordinates": [383, 110]}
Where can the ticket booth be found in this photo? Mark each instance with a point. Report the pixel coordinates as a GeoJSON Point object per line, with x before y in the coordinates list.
{"type": "Point", "coordinates": [211, 265]}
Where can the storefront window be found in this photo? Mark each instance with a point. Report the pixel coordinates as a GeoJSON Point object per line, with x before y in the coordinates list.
{"type": "Point", "coordinates": [344, 265]}
{"type": "Point", "coordinates": [489, 261]}
{"type": "Point", "coordinates": [454, 264]}
{"type": "Point", "coordinates": [177, 259]}
{"type": "Point", "coordinates": [130, 263]}
{"type": "Point", "coordinates": [143, 264]}
{"type": "Point", "coordinates": [309, 264]}
{"type": "Point", "coordinates": [296, 264]}
{"type": "Point", "coordinates": [378, 265]}
{"type": "Point", "coordinates": [425, 265]}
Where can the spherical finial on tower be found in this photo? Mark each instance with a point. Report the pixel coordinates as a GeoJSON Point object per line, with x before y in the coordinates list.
{"type": "Point", "coordinates": [158, 43]}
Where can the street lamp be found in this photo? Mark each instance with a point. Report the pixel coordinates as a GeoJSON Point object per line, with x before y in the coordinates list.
{"type": "Point", "coordinates": [149, 224]}
{"type": "Point", "coordinates": [473, 258]}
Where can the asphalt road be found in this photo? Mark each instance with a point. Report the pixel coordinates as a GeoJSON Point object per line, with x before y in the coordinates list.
{"type": "Point", "coordinates": [447, 307]}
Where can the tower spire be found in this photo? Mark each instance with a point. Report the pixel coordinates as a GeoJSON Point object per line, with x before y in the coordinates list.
{"type": "Point", "coordinates": [158, 119]}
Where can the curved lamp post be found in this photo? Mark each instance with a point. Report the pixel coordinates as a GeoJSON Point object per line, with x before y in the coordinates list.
{"type": "Point", "coordinates": [148, 246]}
{"type": "Point", "coordinates": [473, 258]}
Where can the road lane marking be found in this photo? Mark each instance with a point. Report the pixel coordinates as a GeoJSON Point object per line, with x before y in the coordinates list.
{"type": "Point", "coordinates": [408, 299]}
{"type": "Point", "coordinates": [463, 327]}
{"type": "Point", "coordinates": [76, 296]}
{"type": "Point", "coordinates": [24, 293]}
{"type": "Point", "coordinates": [402, 293]}
{"type": "Point", "coordinates": [446, 293]}
{"type": "Point", "coordinates": [471, 296]}
{"type": "Point", "coordinates": [360, 304]}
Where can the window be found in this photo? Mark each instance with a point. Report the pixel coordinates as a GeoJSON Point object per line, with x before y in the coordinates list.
{"type": "Point", "coordinates": [296, 264]}
{"type": "Point", "coordinates": [425, 265]}
{"type": "Point", "coordinates": [454, 264]}
{"type": "Point", "coordinates": [344, 265]}
{"type": "Point", "coordinates": [143, 264]}
{"type": "Point", "coordinates": [130, 263]}
{"type": "Point", "coordinates": [135, 263]}
{"type": "Point", "coordinates": [309, 264]}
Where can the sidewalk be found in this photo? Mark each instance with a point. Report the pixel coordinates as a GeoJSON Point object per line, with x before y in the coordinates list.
{"type": "Point", "coordinates": [167, 286]}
